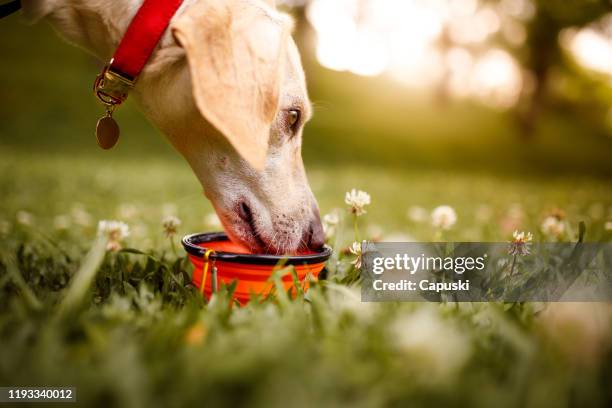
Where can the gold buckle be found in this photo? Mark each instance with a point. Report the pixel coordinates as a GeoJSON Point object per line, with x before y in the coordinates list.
{"type": "Point", "coordinates": [206, 263]}
{"type": "Point", "coordinates": [111, 87]}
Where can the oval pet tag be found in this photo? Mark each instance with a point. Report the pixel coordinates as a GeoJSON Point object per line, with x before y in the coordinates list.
{"type": "Point", "coordinates": [107, 132]}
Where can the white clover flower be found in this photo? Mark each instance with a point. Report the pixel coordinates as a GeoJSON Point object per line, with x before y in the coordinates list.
{"type": "Point", "coordinates": [330, 222]}
{"type": "Point", "coordinates": [443, 217]}
{"type": "Point", "coordinates": [62, 222]}
{"type": "Point", "coordinates": [521, 243]}
{"type": "Point", "coordinates": [355, 249]}
{"type": "Point", "coordinates": [438, 345]}
{"type": "Point", "coordinates": [520, 236]}
{"type": "Point", "coordinates": [170, 224]}
{"type": "Point", "coordinates": [553, 226]}
{"type": "Point", "coordinates": [115, 232]}
{"type": "Point", "coordinates": [417, 214]}
{"type": "Point", "coordinates": [24, 218]}
{"type": "Point", "coordinates": [357, 200]}
{"type": "Point", "coordinates": [608, 226]}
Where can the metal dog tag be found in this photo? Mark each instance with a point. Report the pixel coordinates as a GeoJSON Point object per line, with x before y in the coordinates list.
{"type": "Point", "coordinates": [107, 132]}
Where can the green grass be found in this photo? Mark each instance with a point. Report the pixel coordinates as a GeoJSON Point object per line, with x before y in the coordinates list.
{"type": "Point", "coordinates": [50, 185]}
{"type": "Point", "coordinates": [143, 336]}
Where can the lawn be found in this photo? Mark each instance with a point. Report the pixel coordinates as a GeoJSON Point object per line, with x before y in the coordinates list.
{"type": "Point", "coordinates": [136, 333]}
{"type": "Point", "coordinates": [142, 336]}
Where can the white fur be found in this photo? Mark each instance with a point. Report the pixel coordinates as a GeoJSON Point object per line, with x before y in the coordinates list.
{"type": "Point", "coordinates": [279, 197]}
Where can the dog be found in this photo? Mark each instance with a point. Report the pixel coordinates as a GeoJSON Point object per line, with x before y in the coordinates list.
{"type": "Point", "coordinates": [227, 88]}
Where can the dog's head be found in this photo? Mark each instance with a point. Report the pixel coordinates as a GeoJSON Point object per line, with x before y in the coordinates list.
{"type": "Point", "coordinates": [235, 106]}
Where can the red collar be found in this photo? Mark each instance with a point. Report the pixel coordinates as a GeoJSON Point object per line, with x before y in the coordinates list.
{"type": "Point", "coordinates": [117, 79]}
{"type": "Point", "coordinates": [142, 36]}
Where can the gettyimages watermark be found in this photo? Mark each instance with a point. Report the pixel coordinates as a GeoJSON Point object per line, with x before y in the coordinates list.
{"type": "Point", "coordinates": [486, 272]}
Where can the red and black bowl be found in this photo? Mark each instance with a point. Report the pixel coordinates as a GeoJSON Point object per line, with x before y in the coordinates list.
{"type": "Point", "coordinates": [251, 271]}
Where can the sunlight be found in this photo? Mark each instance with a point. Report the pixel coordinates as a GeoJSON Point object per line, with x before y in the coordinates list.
{"type": "Point", "coordinates": [420, 43]}
{"type": "Point", "coordinates": [461, 63]}
{"type": "Point", "coordinates": [496, 79]}
{"type": "Point", "coordinates": [592, 49]}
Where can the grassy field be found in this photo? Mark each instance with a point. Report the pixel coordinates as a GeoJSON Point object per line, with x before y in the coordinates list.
{"type": "Point", "coordinates": [138, 334]}
{"type": "Point", "coordinates": [142, 191]}
{"type": "Point", "coordinates": [142, 336]}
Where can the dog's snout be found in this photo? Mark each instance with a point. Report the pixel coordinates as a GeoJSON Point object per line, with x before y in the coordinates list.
{"type": "Point", "coordinates": [277, 231]}
{"type": "Point", "coordinates": [244, 212]}
{"type": "Point", "coordinates": [315, 236]}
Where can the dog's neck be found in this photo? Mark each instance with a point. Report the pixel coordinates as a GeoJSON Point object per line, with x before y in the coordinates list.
{"type": "Point", "coordinates": [94, 25]}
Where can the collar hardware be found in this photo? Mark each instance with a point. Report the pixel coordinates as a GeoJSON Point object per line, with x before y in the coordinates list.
{"type": "Point", "coordinates": [111, 87]}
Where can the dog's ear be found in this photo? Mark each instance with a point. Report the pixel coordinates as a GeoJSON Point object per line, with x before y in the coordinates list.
{"type": "Point", "coordinates": [234, 49]}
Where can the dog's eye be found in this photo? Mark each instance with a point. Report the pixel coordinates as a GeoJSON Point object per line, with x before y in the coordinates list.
{"type": "Point", "coordinates": [293, 118]}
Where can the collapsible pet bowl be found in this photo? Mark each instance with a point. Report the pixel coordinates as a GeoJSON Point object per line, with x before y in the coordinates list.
{"type": "Point", "coordinates": [218, 260]}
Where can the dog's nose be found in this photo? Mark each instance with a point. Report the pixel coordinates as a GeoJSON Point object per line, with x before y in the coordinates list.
{"type": "Point", "coordinates": [315, 236]}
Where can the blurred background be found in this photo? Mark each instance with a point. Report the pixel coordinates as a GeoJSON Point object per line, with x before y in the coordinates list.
{"type": "Point", "coordinates": [462, 83]}
{"type": "Point", "coordinates": [406, 83]}
{"type": "Point", "coordinates": [479, 96]}
{"type": "Point", "coordinates": [498, 113]}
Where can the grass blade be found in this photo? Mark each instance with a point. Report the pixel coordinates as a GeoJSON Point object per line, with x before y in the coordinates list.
{"type": "Point", "coordinates": [84, 277]}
